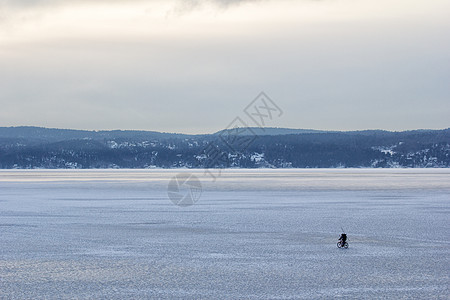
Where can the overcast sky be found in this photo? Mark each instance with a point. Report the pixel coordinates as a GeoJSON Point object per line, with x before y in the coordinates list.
{"type": "Point", "coordinates": [193, 66]}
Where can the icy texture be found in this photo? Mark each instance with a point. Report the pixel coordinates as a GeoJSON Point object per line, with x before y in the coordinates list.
{"type": "Point", "coordinates": [254, 234]}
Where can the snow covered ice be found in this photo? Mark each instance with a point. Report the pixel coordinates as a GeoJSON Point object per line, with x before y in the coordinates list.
{"type": "Point", "coordinates": [254, 234]}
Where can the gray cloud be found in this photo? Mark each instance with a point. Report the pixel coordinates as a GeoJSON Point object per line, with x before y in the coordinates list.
{"type": "Point", "coordinates": [8, 8]}
{"type": "Point", "coordinates": [188, 3]}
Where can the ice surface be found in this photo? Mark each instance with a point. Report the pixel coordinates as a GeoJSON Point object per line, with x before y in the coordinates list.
{"type": "Point", "coordinates": [254, 234]}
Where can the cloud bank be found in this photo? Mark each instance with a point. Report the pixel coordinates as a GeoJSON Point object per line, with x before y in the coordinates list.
{"type": "Point", "coordinates": [340, 65]}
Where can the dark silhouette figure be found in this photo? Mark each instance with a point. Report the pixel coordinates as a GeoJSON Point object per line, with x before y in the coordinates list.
{"type": "Point", "coordinates": [343, 239]}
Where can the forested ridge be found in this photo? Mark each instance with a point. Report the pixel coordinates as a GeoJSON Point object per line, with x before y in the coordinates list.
{"type": "Point", "coordinates": [34, 147]}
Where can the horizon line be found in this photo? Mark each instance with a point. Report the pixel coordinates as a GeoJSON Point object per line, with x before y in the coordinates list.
{"type": "Point", "coordinates": [210, 133]}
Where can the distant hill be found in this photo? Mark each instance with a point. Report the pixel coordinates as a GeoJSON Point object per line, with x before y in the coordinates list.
{"type": "Point", "coordinates": [53, 134]}
{"type": "Point", "coordinates": [270, 131]}
{"type": "Point", "coordinates": [35, 147]}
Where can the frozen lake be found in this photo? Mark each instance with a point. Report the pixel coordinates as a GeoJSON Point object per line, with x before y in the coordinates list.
{"type": "Point", "coordinates": [253, 234]}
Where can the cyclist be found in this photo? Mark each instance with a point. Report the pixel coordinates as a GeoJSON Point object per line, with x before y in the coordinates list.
{"type": "Point", "coordinates": [343, 239]}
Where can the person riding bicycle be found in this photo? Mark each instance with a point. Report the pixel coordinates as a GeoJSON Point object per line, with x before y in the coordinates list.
{"type": "Point", "coordinates": [343, 239]}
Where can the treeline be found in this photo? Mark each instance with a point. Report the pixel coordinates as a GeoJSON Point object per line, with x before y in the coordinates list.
{"type": "Point", "coordinates": [30, 147]}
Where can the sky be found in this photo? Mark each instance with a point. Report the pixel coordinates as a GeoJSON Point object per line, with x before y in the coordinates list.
{"type": "Point", "coordinates": [193, 66]}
